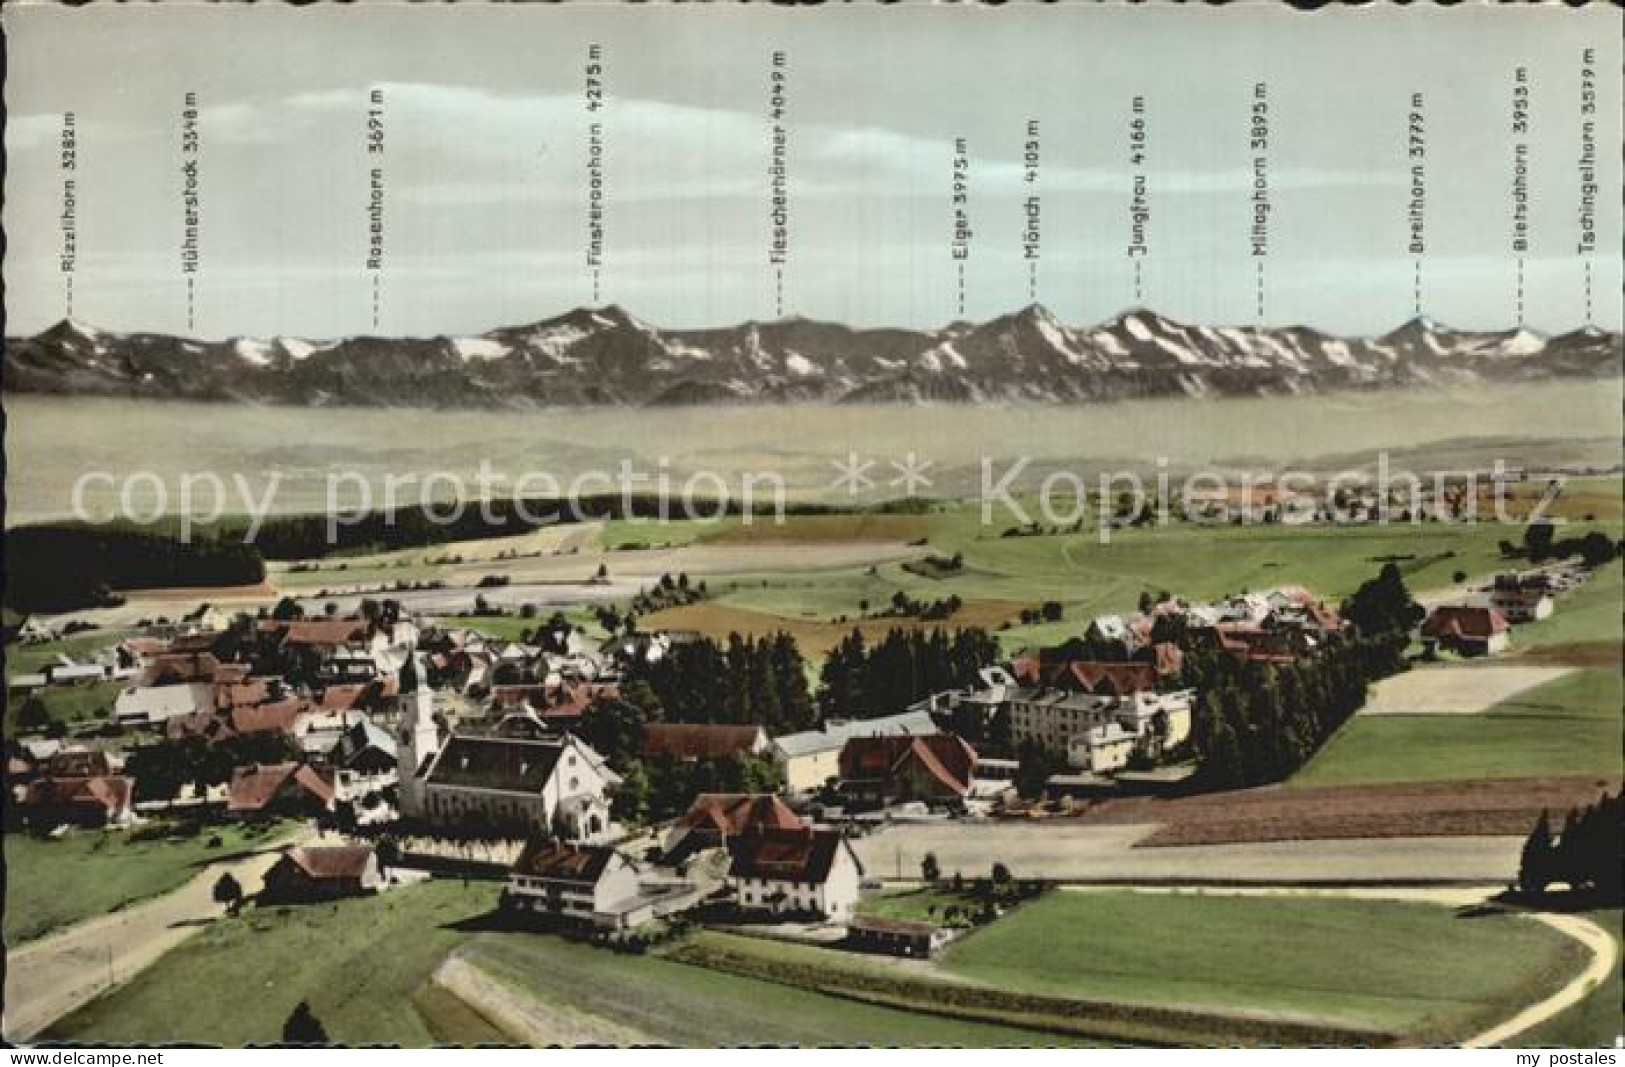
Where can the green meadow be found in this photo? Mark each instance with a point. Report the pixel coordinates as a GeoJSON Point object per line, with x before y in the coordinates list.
{"type": "Point", "coordinates": [1569, 726]}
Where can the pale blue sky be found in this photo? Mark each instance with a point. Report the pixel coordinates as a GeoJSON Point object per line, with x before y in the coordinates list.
{"type": "Point", "coordinates": [486, 162]}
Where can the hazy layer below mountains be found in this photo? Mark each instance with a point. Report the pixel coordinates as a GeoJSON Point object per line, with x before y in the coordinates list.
{"type": "Point", "coordinates": [53, 441]}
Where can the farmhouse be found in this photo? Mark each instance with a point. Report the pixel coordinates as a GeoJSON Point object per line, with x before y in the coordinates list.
{"type": "Point", "coordinates": [1466, 630]}
{"type": "Point", "coordinates": [714, 819]}
{"type": "Point", "coordinates": [279, 789]}
{"type": "Point", "coordinates": [585, 885]}
{"type": "Point", "coordinates": [305, 875]}
{"type": "Point", "coordinates": [702, 741]}
{"type": "Point", "coordinates": [901, 767]}
{"type": "Point", "coordinates": [795, 872]}
{"type": "Point", "coordinates": [1523, 597]}
{"type": "Point", "coordinates": [78, 800]}
{"type": "Point", "coordinates": [813, 757]}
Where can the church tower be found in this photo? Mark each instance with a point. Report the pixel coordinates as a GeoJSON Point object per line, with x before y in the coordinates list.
{"type": "Point", "coordinates": [418, 735]}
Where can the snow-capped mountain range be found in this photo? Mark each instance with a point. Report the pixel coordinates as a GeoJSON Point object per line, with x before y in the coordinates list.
{"type": "Point", "coordinates": [606, 356]}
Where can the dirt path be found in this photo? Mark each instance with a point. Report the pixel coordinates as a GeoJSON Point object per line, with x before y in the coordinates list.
{"type": "Point", "coordinates": [1598, 941]}
{"type": "Point", "coordinates": [48, 978]}
{"type": "Point", "coordinates": [525, 1019]}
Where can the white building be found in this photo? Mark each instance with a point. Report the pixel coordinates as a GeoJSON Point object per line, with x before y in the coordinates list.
{"type": "Point", "coordinates": [795, 872]}
{"type": "Point", "coordinates": [1102, 749]}
{"type": "Point", "coordinates": [1525, 604]}
{"type": "Point", "coordinates": [592, 885]}
{"type": "Point", "coordinates": [1054, 719]}
{"type": "Point", "coordinates": [554, 786]}
{"type": "Point", "coordinates": [207, 619]}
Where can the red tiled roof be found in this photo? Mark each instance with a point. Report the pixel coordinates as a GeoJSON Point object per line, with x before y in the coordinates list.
{"type": "Point", "coordinates": [239, 694]}
{"type": "Point", "coordinates": [232, 673]}
{"type": "Point", "coordinates": [1089, 676]}
{"type": "Point", "coordinates": [184, 667]}
{"type": "Point", "coordinates": [331, 862]}
{"type": "Point", "coordinates": [252, 788]}
{"type": "Point", "coordinates": [1464, 620]}
{"type": "Point", "coordinates": [283, 715]}
{"type": "Point", "coordinates": [698, 740]}
{"type": "Point", "coordinates": [731, 814]}
{"type": "Point", "coordinates": [560, 862]}
{"type": "Point", "coordinates": [1326, 618]}
{"type": "Point", "coordinates": [553, 702]}
{"type": "Point", "coordinates": [110, 793]}
{"type": "Point", "coordinates": [1118, 679]}
{"type": "Point", "coordinates": [945, 758]}
{"type": "Point", "coordinates": [324, 631]}
{"type": "Point", "coordinates": [343, 697]}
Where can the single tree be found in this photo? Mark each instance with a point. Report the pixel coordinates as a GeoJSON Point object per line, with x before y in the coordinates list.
{"type": "Point", "coordinates": [1537, 539]}
{"type": "Point", "coordinates": [1535, 865]}
{"type": "Point", "coordinates": [303, 1028]}
{"type": "Point", "coordinates": [929, 869]}
{"type": "Point", "coordinates": [228, 891]}
{"type": "Point", "coordinates": [33, 716]}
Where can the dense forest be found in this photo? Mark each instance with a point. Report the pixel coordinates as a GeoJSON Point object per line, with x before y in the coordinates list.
{"type": "Point", "coordinates": [44, 559]}
{"type": "Point", "coordinates": [1587, 855]}
{"type": "Point", "coordinates": [863, 681]}
{"type": "Point", "coordinates": [1257, 723]}
{"type": "Point", "coordinates": [750, 680]}
{"type": "Point", "coordinates": [68, 566]}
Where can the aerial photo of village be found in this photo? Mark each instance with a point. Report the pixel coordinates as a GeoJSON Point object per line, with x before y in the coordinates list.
{"type": "Point", "coordinates": [1030, 647]}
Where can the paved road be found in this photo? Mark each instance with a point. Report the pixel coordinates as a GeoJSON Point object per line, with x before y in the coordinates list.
{"type": "Point", "coordinates": [48, 978]}
{"type": "Point", "coordinates": [1092, 852]}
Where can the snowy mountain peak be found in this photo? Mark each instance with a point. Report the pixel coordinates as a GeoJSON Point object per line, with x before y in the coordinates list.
{"type": "Point", "coordinates": [73, 328]}
{"type": "Point", "coordinates": [605, 356]}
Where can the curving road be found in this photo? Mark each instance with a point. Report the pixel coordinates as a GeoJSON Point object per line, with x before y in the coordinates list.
{"type": "Point", "coordinates": [48, 978]}
{"type": "Point", "coordinates": [1604, 961]}
{"type": "Point", "coordinates": [1599, 942]}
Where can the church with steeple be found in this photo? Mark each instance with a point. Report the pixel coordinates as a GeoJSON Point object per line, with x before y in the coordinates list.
{"type": "Point", "coordinates": [418, 734]}
{"type": "Point", "coordinates": [479, 783]}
